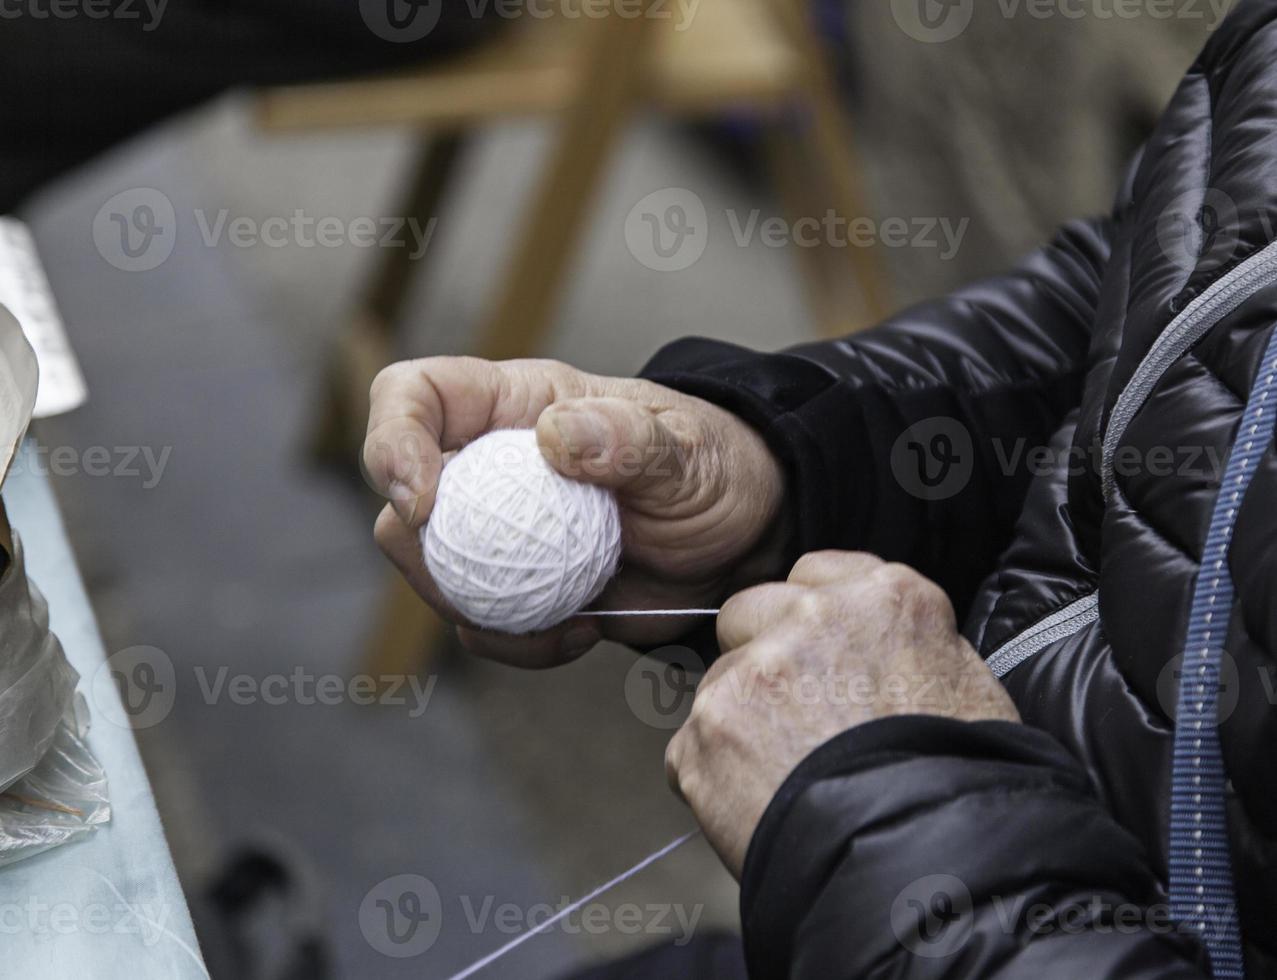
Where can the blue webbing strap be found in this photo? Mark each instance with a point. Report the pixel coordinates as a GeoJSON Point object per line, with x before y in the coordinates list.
{"type": "Point", "coordinates": [1201, 875]}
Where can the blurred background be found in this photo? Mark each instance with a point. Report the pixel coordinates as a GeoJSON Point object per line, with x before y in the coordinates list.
{"type": "Point", "coordinates": [246, 209]}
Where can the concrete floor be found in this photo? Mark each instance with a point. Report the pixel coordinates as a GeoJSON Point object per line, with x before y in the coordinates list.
{"type": "Point", "coordinates": [520, 787]}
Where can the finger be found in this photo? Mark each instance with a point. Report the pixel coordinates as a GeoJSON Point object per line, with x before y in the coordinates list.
{"type": "Point", "coordinates": [419, 409]}
{"type": "Point", "coordinates": [402, 546]}
{"type": "Point", "coordinates": [747, 614]}
{"type": "Point", "coordinates": [533, 651]}
{"type": "Point", "coordinates": [674, 758]}
{"type": "Point", "coordinates": [618, 443]}
{"type": "Point", "coordinates": [819, 568]}
{"type": "Point", "coordinates": [556, 646]}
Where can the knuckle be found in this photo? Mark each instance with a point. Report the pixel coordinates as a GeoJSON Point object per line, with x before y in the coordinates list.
{"type": "Point", "coordinates": [709, 716]}
{"type": "Point", "coordinates": [735, 606]}
{"type": "Point", "coordinates": [387, 379]}
{"type": "Point", "coordinates": [674, 755]}
{"type": "Point", "coordinates": [813, 608]}
{"type": "Point", "coordinates": [896, 580]}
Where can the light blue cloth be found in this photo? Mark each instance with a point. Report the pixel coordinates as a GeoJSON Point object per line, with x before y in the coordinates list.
{"type": "Point", "coordinates": [110, 905]}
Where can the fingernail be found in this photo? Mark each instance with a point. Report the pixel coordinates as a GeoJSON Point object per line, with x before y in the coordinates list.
{"type": "Point", "coordinates": [580, 431]}
{"type": "Point", "coordinates": [578, 640]}
{"type": "Point", "coordinates": [404, 500]}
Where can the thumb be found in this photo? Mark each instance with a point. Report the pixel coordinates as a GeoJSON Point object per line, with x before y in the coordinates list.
{"type": "Point", "coordinates": [612, 442]}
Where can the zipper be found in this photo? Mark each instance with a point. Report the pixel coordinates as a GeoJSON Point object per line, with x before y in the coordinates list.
{"type": "Point", "coordinates": [1062, 623]}
{"type": "Point", "coordinates": [1218, 300]}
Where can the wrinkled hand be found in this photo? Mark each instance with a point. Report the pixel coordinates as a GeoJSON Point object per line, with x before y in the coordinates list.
{"type": "Point", "coordinates": [699, 491]}
{"type": "Point", "coordinates": [846, 639]}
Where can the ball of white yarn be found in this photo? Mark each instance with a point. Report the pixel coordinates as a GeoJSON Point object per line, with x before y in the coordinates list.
{"type": "Point", "coordinates": [511, 543]}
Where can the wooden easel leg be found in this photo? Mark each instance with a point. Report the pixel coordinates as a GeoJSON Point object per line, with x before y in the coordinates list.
{"type": "Point", "coordinates": [368, 342]}
{"type": "Point", "coordinates": [828, 139]}
{"type": "Point", "coordinates": [588, 130]}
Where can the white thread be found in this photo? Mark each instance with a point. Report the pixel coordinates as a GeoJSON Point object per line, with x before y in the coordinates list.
{"type": "Point", "coordinates": [511, 543]}
{"type": "Point", "coordinates": [540, 927]}
{"type": "Point", "coordinates": [649, 612]}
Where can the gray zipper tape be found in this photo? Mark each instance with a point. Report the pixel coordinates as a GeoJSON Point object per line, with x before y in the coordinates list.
{"type": "Point", "coordinates": [1219, 299]}
{"type": "Point", "coordinates": [1060, 624]}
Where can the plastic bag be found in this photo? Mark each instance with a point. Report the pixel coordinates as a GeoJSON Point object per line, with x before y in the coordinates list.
{"type": "Point", "coordinates": [52, 789]}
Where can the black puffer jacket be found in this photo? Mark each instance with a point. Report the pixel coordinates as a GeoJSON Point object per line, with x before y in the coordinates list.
{"type": "Point", "coordinates": [1050, 446]}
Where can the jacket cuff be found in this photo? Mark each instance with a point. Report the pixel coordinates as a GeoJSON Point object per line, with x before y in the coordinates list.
{"type": "Point", "coordinates": [873, 776]}
{"type": "Point", "coordinates": [777, 394]}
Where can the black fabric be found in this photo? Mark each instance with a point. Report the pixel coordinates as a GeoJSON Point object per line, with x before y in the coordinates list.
{"type": "Point", "coordinates": [713, 956]}
{"type": "Point", "coordinates": [1076, 801]}
{"type": "Point", "coordinates": [1001, 361]}
{"type": "Point", "coordinates": [74, 85]}
{"type": "Point", "coordinates": [932, 809]}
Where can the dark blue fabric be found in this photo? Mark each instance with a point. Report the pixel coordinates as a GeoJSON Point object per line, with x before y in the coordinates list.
{"type": "Point", "coordinates": [1201, 884]}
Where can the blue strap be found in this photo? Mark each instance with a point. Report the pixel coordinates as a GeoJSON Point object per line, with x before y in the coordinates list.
{"type": "Point", "coordinates": [1201, 874]}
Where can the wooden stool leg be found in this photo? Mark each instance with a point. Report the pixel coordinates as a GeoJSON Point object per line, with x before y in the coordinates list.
{"type": "Point", "coordinates": [407, 634]}
{"type": "Point", "coordinates": [588, 130]}
{"type": "Point", "coordinates": [368, 342]}
{"type": "Point", "coordinates": [829, 141]}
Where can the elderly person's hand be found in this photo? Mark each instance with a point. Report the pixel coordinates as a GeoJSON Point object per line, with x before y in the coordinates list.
{"type": "Point", "coordinates": [699, 490]}
{"type": "Point", "coordinates": [846, 639]}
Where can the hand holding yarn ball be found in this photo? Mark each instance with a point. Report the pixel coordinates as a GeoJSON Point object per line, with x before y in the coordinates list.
{"type": "Point", "coordinates": [695, 490]}
{"type": "Point", "coordinates": [513, 545]}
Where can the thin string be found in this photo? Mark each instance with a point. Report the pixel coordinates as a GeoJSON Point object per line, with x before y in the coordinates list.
{"type": "Point", "coordinates": [574, 907]}
{"type": "Point", "coordinates": [649, 612]}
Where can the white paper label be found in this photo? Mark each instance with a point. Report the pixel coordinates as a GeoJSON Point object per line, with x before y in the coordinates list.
{"type": "Point", "coordinates": [24, 290]}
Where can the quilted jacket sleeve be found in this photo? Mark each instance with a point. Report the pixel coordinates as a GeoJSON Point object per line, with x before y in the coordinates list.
{"type": "Point", "coordinates": [907, 440]}
{"type": "Point", "coordinates": [917, 847]}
